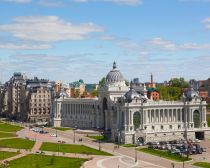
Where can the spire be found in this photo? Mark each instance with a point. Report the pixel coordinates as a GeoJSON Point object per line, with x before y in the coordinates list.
{"type": "Point", "coordinates": [114, 65]}
{"type": "Point", "coordinates": [151, 78]}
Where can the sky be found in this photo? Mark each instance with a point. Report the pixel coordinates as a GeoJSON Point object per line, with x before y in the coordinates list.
{"type": "Point", "coordinates": [68, 40]}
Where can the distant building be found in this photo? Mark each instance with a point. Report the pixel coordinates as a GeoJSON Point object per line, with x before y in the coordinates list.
{"type": "Point", "coordinates": [203, 87]}
{"type": "Point", "coordinates": [77, 87]}
{"type": "Point", "coordinates": [26, 99]}
{"type": "Point", "coordinates": [153, 94]}
{"type": "Point", "coordinates": [39, 96]}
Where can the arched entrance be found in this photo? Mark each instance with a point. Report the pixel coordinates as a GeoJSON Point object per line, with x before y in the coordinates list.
{"type": "Point", "coordinates": [136, 120]}
{"type": "Point", "coordinates": [140, 141]}
{"type": "Point", "coordinates": [196, 119]}
{"type": "Point", "coordinates": [105, 107]}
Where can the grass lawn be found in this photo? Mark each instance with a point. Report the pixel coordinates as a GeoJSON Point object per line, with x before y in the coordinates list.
{"type": "Point", "coordinates": [208, 119]}
{"type": "Point", "coordinates": [129, 145]}
{"type": "Point", "coordinates": [17, 143]}
{"type": "Point", "coordinates": [9, 128]}
{"type": "Point", "coordinates": [43, 161]}
{"type": "Point", "coordinates": [62, 128]}
{"type": "Point", "coordinates": [6, 135]}
{"type": "Point", "coordinates": [98, 137]}
{"type": "Point", "coordinates": [5, 155]}
{"type": "Point", "coordinates": [202, 164]}
{"type": "Point", "coordinates": [164, 154]}
{"type": "Point", "coordinates": [69, 148]}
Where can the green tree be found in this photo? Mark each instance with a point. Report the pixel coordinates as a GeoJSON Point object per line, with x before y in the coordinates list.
{"type": "Point", "coordinates": [169, 92]}
{"type": "Point", "coordinates": [76, 94]}
{"type": "Point", "coordinates": [179, 82]}
{"type": "Point", "coordinates": [95, 92]}
{"type": "Point", "coordinates": [102, 82]}
{"type": "Point", "coordinates": [127, 82]}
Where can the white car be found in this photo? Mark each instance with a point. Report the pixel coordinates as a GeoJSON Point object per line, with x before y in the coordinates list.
{"type": "Point", "coordinates": [197, 141]}
{"type": "Point", "coordinates": [53, 135]}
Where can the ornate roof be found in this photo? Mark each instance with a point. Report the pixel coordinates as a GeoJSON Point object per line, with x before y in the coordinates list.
{"type": "Point", "coordinates": [130, 95]}
{"type": "Point", "coordinates": [114, 75]}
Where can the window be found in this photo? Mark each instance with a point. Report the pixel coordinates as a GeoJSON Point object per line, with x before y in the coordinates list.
{"type": "Point", "coordinates": [161, 127]}
{"type": "Point", "coordinates": [153, 127]}
{"type": "Point", "coordinates": [170, 126]}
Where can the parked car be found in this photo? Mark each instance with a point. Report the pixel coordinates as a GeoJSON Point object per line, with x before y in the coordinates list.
{"type": "Point", "coordinates": [53, 135]}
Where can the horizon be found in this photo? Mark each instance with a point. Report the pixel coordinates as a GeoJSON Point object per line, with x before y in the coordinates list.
{"type": "Point", "coordinates": [71, 40]}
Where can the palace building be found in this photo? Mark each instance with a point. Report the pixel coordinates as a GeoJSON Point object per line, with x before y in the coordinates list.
{"type": "Point", "coordinates": [128, 116]}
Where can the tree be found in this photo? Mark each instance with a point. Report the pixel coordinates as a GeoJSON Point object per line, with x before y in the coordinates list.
{"type": "Point", "coordinates": [77, 93]}
{"type": "Point", "coordinates": [169, 92]}
{"type": "Point", "coordinates": [127, 82]}
{"type": "Point", "coordinates": [179, 82]}
{"type": "Point", "coordinates": [95, 93]}
{"type": "Point", "coordinates": [102, 82]}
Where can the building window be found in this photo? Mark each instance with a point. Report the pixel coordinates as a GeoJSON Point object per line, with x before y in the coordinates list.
{"type": "Point", "coordinates": [161, 127]}
{"type": "Point", "coordinates": [170, 126]}
{"type": "Point", "coordinates": [153, 127]}
{"type": "Point", "coordinates": [179, 126]}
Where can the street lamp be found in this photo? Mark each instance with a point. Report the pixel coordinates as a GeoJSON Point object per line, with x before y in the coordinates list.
{"type": "Point", "coordinates": [183, 159]}
{"type": "Point", "coordinates": [135, 155]}
{"type": "Point", "coordinates": [99, 141]}
{"type": "Point", "coordinates": [74, 132]}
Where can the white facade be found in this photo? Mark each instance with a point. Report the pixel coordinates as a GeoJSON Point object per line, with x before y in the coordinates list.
{"type": "Point", "coordinates": [129, 117]}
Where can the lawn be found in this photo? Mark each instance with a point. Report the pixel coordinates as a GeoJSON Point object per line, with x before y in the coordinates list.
{"type": "Point", "coordinates": [164, 154]}
{"type": "Point", "coordinates": [7, 134]}
{"type": "Point", "coordinates": [43, 161]}
{"type": "Point", "coordinates": [9, 128]}
{"type": "Point", "coordinates": [69, 148]}
{"type": "Point", "coordinates": [62, 128]}
{"type": "Point", "coordinates": [208, 119]}
{"type": "Point", "coordinates": [5, 155]}
{"type": "Point", "coordinates": [17, 143]}
{"type": "Point", "coordinates": [129, 145]}
{"type": "Point", "coordinates": [98, 137]}
{"type": "Point", "coordinates": [202, 164]}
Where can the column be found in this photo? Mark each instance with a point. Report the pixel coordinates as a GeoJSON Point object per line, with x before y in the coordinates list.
{"type": "Point", "coordinates": [159, 115]}
{"type": "Point", "coordinates": [168, 119]}
{"type": "Point", "coordinates": [145, 116]}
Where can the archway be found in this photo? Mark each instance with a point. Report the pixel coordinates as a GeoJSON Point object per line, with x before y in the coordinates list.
{"type": "Point", "coordinates": [196, 119]}
{"type": "Point", "coordinates": [136, 120]}
{"type": "Point", "coordinates": [140, 141]}
{"type": "Point", "coordinates": [105, 107]}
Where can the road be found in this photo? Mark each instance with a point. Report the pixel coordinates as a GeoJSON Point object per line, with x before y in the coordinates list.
{"type": "Point", "coordinates": [124, 157]}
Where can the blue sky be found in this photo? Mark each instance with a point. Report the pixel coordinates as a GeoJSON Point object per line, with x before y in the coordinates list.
{"type": "Point", "coordinates": [67, 40]}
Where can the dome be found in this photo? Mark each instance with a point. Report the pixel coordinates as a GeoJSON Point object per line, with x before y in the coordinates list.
{"type": "Point", "coordinates": [114, 75]}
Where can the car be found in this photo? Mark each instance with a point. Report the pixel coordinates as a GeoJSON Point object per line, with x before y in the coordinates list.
{"type": "Point", "coordinates": [53, 135]}
{"type": "Point", "coordinates": [197, 141]}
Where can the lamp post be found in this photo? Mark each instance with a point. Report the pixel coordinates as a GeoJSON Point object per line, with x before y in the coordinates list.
{"type": "Point", "coordinates": [183, 160]}
{"type": "Point", "coordinates": [135, 155]}
{"type": "Point", "coordinates": [74, 132]}
{"type": "Point", "coordinates": [99, 141]}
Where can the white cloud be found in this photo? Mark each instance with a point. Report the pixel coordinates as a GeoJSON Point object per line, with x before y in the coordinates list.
{"type": "Point", "coordinates": [18, 1]}
{"type": "Point", "coordinates": [194, 46]}
{"type": "Point", "coordinates": [121, 2]}
{"type": "Point", "coordinates": [24, 46]}
{"type": "Point", "coordinates": [51, 3]}
{"type": "Point", "coordinates": [207, 22]}
{"type": "Point", "coordinates": [162, 44]}
{"type": "Point", "coordinates": [48, 29]}
{"type": "Point", "coordinates": [106, 37]}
